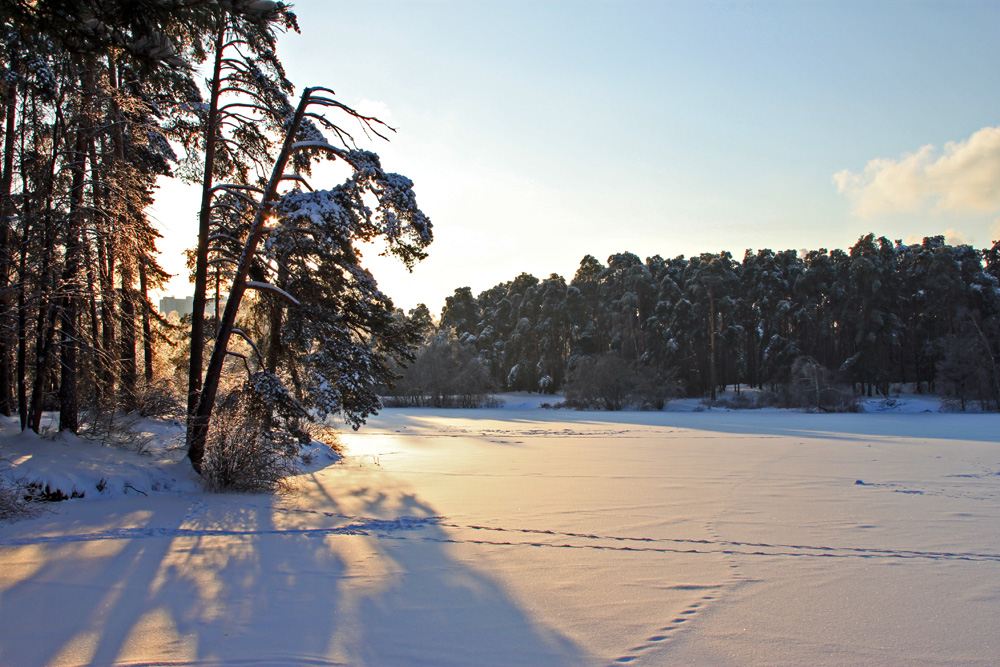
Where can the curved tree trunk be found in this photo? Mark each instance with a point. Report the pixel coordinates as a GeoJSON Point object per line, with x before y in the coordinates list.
{"type": "Point", "coordinates": [198, 423]}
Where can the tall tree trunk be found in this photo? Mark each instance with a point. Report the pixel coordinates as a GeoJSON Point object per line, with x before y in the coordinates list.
{"type": "Point", "coordinates": [711, 336]}
{"type": "Point", "coordinates": [95, 278]}
{"type": "Point", "coordinates": [45, 324]}
{"type": "Point", "coordinates": [68, 399]}
{"type": "Point", "coordinates": [22, 337]}
{"type": "Point", "coordinates": [45, 331]}
{"type": "Point", "coordinates": [204, 228]}
{"type": "Point", "coordinates": [108, 316]}
{"type": "Point", "coordinates": [217, 303]}
{"type": "Point", "coordinates": [96, 350]}
{"type": "Point", "coordinates": [109, 359]}
{"type": "Point", "coordinates": [147, 329]}
{"type": "Point", "coordinates": [129, 373]}
{"type": "Point", "coordinates": [274, 324]}
{"type": "Point", "coordinates": [6, 257]}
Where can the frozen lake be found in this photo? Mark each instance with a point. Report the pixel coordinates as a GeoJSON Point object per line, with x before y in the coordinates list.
{"type": "Point", "coordinates": [522, 536]}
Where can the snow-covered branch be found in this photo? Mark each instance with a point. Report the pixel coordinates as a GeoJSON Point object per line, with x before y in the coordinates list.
{"type": "Point", "coordinates": [237, 186]}
{"type": "Point", "coordinates": [268, 287]}
{"type": "Point", "coordinates": [321, 145]}
{"type": "Point", "coordinates": [232, 190]}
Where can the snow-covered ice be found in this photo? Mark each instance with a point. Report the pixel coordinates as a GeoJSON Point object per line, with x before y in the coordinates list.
{"type": "Point", "coordinates": [525, 536]}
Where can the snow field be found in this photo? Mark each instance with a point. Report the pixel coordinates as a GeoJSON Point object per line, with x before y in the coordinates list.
{"type": "Point", "coordinates": [520, 536]}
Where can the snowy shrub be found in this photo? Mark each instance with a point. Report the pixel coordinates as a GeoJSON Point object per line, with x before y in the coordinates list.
{"type": "Point", "coordinates": [112, 428]}
{"type": "Point", "coordinates": [16, 502]}
{"type": "Point", "coordinates": [446, 373]}
{"type": "Point", "coordinates": [159, 399]}
{"type": "Point", "coordinates": [654, 389]}
{"type": "Point", "coordinates": [815, 387]}
{"type": "Point", "coordinates": [735, 402]}
{"type": "Point", "coordinates": [606, 382]}
{"type": "Point", "coordinates": [748, 400]}
{"type": "Point", "coordinates": [255, 439]}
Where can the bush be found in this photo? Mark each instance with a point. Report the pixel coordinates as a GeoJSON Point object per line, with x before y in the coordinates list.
{"type": "Point", "coordinates": [441, 401]}
{"type": "Point", "coordinates": [113, 429]}
{"type": "Point", "coordinates": [107, 424]}
{"type": "Point", "coordinates": [255, 439]}
{"type": "Point", "coordinates": [159, 399]}
{"type": "Point", "coordinates": [16, 500]}
{"type": "Point", "coordinates": [813, 386]}
{"type": "Point", "coordinates": [654, 389]}
{"type": "Point", "coordinates": [445, 374]}
{"type": "Point", "coordinates": [600, 382]}
{"type": "Point", "coordinates": [743, 401]}
{"type": "Point", "coordinates": [327, 435]}
{"type": "Point", "coordinates": [608, 382]}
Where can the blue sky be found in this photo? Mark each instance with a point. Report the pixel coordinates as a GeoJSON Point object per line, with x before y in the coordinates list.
{"type": "Point", "coordinates": [537, 132]}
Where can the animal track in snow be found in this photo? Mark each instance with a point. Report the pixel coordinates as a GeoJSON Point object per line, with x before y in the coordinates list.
{"type": "Point", "coordinates": [389, 529]}
{"type": "Point", "coordinates": [664, 634]}
{"type": "Point", "coordinates": [984, 490]}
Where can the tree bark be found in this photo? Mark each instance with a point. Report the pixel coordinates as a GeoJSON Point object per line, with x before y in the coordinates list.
{"type": "Point", "coordinates": [274, 325]}
{"type": "Point", "coordinates": [204, 228]}
{"type": "Point", "coordinates": [129, 375]}
{"type": "Point", "coordinates": [711, 336]}
{"type": "Point", "coordinates": [45, 324]}
{"type": "Point", "coordinates": [95, 276]}
{"type": "Point", "coordinates": [106, 267]}
{"type": "Point", "coordinates": [147, 329]}
{"type": "Point", "coordinates": [68, 398]}
{"type": "Point", "coordinates": [108, 246]}
{"type": "Point", "coordinates": [6, 211]}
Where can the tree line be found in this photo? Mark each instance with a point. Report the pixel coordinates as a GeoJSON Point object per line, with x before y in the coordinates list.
{"type": "Point", "coordinates": [877, 314]}
{"type": "Point", "coordinates": [99, 99]}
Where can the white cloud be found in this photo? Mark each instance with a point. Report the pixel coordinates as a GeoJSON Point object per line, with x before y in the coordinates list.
{"type": "Point", "coordinates": [964, 177]}
{"type": "Point", "coordinates": [955, 237]}
{"type": "Point", "coordinates": [951, 237]}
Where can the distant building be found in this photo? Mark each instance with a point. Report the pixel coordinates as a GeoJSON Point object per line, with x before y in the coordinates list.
{"type": "Point", "coordinates": [183, 306]}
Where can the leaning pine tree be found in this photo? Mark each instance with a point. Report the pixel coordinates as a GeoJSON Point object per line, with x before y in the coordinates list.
{"type": "Point", "coordinates": [322, 324]}
{"type": "Point", "coordinates": [333, 339]}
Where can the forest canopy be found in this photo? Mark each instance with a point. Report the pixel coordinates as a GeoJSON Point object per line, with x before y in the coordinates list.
{"type": "Point", "coordinates": [878, 314]}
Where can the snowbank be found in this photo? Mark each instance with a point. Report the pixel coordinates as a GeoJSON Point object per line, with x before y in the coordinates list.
{"type": "Point", "coordinates": [78, 468]}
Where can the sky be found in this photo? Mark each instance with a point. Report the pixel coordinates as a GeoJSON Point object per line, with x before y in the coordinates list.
{"type": "Point", "coordinates": [537, 132]}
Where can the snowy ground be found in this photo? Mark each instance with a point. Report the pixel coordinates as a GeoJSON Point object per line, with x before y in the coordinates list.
{"type": "Point", "coordinates": [525, 536]}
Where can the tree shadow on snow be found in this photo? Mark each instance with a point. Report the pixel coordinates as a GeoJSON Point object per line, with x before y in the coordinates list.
{"type": "Point", "coordinates": [235, 580]}
{"type": "Point", "coordinates": [453, 615]}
